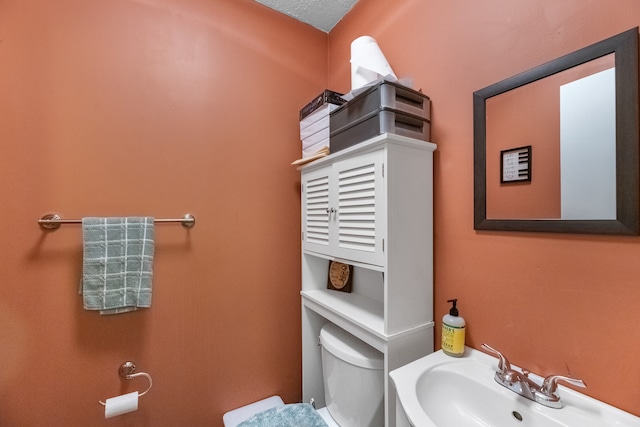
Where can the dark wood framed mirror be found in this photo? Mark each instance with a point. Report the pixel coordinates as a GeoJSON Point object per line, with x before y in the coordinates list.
{"type": "Point", "coordinates": [585, 178]}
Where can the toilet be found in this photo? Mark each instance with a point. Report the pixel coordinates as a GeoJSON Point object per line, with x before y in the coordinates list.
{"type": "Point", "coordinates": [353, 376]}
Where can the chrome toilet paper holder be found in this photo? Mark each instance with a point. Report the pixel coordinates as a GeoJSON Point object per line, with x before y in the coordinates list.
{"type": "Point", "coordinates": [127, 371]}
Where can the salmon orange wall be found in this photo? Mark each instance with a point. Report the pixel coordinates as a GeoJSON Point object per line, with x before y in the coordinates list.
{"type": "Point", "coordinates": [551, 302]}
{"type": "Point", "coordinates": [161, 108]}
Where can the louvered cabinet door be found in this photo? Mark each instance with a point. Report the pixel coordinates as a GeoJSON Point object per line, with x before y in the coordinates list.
{"type": "Point", "coordinates": [342, 214]}
{"type": "Point", "coordinates": [316, 210]}
{"type": "Point", "coordinates": [359, 208]}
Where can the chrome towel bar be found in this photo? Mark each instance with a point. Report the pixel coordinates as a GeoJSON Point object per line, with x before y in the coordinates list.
{"type": "Point", "coordinates": [54, 221]}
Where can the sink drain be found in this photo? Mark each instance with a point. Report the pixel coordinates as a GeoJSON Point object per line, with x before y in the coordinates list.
{"type": "Point", "coordinates": [517, 415]}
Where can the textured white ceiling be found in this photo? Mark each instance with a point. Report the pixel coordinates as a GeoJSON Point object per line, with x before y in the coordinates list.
{"type": "Point", "coordinates": [322, 14]}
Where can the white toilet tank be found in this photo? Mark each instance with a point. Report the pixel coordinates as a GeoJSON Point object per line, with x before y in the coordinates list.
{"type": "Point", "coordinates": [353, 374]}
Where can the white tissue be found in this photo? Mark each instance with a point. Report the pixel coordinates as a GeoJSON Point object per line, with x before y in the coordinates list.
{"type": "Point", "coordinates": [119, 405]}
{"type": "Point", "coordinates": [368, 63]}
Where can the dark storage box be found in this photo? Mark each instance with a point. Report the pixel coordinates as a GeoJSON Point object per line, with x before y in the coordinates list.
{"type": "Point", "coordinates": [376, 123]}
{"type": "Point", "coordinates": [386, 107]}
{"type": "Point", "coordinates": [384, 95]}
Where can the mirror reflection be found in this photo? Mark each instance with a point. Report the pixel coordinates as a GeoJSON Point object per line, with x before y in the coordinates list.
{"type": "Point", "coordinates": [569, 121]}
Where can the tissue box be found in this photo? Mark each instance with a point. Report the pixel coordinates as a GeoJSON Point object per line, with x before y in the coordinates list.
{"type": "Point", "coordinates": [376, 123]}
{"type": "Point", "coordinates": [314, 122]}
{"type": "Point", "coordinates": [314, 130]}
{"type": "Point", "coordinates": [386, 107]}
{"type": "Point", "coordinates": [317, 121]}
{"type": "Point", "coordinates": [326, 97]}
{"type": "Point", "coordinates": [313, 149]}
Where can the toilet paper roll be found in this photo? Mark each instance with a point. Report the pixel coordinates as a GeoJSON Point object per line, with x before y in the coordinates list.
{"type": "Point", "coordinates": [121, 404]}
{"type": "Point", "coordinates": [368, 63]}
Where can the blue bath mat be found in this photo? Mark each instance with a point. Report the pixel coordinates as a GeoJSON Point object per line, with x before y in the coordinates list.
{"type": "Point", "coordinates": [292, 415]}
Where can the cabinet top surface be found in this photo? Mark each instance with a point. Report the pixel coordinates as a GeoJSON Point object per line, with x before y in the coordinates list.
{"type": "Point", "coordinates": [370, 144]}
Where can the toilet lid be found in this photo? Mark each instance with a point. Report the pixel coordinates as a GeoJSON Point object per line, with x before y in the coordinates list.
{"type": "Point", "coordinates": [346, 347]}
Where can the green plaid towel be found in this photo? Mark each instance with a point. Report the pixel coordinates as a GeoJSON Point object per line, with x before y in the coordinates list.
{"type": "Point", "coordinates": [117, 263]}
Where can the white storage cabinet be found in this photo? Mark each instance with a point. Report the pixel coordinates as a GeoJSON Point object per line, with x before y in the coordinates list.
{"type": "Point", "coordinates": [371, 206]}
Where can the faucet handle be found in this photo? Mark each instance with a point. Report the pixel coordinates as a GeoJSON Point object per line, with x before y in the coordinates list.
{"type": "Point", "coordinates": [550, 384]}
{"type": "Point", "coordinates": [503, 365]}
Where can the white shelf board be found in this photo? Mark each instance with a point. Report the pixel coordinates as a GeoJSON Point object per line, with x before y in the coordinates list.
{"type": "Point", "coordinates": [358, 315]}
{"type": "Point", "coordinates": [368, 145]}
{"type": "Point", "coordinates": [345, 261]}
{"type": "Point", "coordinates": [364, 312]}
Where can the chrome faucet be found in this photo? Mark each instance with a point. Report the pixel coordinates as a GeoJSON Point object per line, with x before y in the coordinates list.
{"type": "Point", "coordinates": [520, 383]}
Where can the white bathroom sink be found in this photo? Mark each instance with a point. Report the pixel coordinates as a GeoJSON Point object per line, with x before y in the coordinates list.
{"type": "Point", "coordinates": [443, 391]}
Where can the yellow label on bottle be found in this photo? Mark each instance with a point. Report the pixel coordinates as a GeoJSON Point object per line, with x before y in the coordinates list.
{"type": "Point", "coordinates": [453, 339]}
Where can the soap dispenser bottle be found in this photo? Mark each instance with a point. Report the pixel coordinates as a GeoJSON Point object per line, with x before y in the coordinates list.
{"type": "Point", "coordinates": [453, 332]}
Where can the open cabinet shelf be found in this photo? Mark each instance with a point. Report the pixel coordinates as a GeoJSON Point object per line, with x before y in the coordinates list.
{"type": "Point", "coordinates": [364, 312]}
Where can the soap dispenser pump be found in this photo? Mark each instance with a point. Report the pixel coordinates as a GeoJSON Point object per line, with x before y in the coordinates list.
{"type": "Point", "coordinates": [453, 331]}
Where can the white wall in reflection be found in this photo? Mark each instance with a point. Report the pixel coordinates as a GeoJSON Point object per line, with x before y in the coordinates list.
{"type": "Point", "coordinates": [588, 147]}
